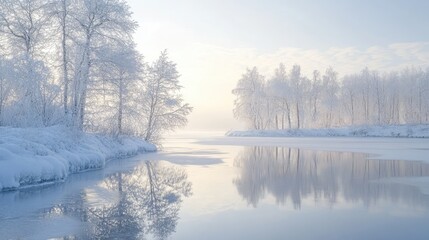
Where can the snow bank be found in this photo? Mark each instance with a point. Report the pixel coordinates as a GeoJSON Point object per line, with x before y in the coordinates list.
{"type": "Point", "coordinates": [409, 131]}
{"type": "Point", "coordinates": [41, 155]}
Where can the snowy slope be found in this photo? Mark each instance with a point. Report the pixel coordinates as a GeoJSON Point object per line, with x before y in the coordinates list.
{"type": "Point", "coordinates": [411, 131]}
{"type": "Point", "coordinates": [41, 155]}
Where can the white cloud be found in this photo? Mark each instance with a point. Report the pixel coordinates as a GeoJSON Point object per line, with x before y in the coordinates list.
{"type": "Point", "coordinates": [211, 64]}
{"type": "Point", "coordinates": [209, 72]}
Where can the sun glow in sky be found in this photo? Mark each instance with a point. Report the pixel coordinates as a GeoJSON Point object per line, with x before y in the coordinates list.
{"type": "Point", "coordinates": [214, 41]}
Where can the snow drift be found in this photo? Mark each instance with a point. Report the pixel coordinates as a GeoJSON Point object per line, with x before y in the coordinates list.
{"type": "Point", "coordinates": [41, 155]}
{"type": "Point", "coordinates": [410, 131]}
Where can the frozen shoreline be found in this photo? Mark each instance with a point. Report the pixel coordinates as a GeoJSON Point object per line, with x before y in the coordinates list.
{"type": "Point", "coordinates": [34, 156]}
{"type": "Point", "coordinates": [401, 131]}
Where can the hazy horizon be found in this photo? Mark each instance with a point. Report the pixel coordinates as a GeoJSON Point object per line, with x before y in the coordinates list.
{"type": "Point", "coordinates": [213, 42]}
{"type": "Point", "coordinates": [117, 119]}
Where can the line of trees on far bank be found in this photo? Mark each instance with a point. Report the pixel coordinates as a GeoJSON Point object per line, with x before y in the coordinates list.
{"type": "Point", "coordinates": [289, 99]}
{"type": "Point", "coordinates": [75, 62]}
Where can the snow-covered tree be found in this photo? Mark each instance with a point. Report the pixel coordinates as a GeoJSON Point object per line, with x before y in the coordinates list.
{"type": "Point", "coordinates": [349, 96]}
{"type": "Point", "coordinates": [23, 24]}
{"type": "Point", "coordinates": [100, 22]}
{"type": "Point", "coordinates": [74, 62]}
{"type": "Point", "coordinates": [300, 86]}
{"type": "Point", "coordinates": [6, 85]}
{"type": "Point", "coordinates": [163, 108]}
{"type": "Point", "coordinates": [119, 70]}
{"type": "Point", "coordinates": [330, 96]}
{"type": "Point", "coordinates": [315, 96]}
{"type": "Point", "coordinates": [62, 9]}
{"type": "Point", "coordinates": [250, 104]}
{"type": "Point", "coordinates": [278, 88]}
{"type": "Point", "coordinates": [368, 97]}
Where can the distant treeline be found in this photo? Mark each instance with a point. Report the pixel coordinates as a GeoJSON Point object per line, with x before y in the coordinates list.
{"type": "Point", "coordinates": [292, 100]}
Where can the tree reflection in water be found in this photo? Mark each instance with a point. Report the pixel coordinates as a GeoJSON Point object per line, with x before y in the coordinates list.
{"type": "Point", "coordinates": [297, 174]}
{"type": "Point", "coordinates": [146, 202]}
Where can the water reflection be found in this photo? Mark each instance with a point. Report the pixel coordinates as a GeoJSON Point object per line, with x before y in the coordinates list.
{"type": "Point", "coordinates": [296, 174]}
{"type": "Point", "coordinates": [130, 205]}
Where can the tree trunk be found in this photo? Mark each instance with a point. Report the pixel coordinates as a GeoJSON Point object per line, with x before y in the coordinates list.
{"type": "Point", "coordinates": [297, 116]}
{"type": "Point", "coordinates": [283, 121]}
{"type": "Point", "coordinates": [83, 84]}
{"type": "Point", "coordinates": [288, 116]}
{"type": "Point", "coordinates": [64, 51]}
{"type": "Point", "coordinates": [277, 121]}
{"type": "Point", "coordinates": [120, 110]}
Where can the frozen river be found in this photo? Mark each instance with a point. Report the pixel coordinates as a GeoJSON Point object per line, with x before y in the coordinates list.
{"type": "Point", "coordinates": [213, 187]}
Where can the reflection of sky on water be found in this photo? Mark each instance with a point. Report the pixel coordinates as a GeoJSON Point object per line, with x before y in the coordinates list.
{"type": "Point", "coordinates": [294, 174]}
{"type": "Point", "coordinates": [129, 205]}
{"type": "Point", "coordinates": [237, 193]}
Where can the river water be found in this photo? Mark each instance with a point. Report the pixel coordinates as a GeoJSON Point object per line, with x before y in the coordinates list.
{"type": "Point", "coordinates": [202, 186]}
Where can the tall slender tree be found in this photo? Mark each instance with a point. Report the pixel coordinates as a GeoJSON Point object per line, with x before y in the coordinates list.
{"type": "Point", "coordinates": [163, 107]}
{"type": "Point", "coordinates": [100, 22]}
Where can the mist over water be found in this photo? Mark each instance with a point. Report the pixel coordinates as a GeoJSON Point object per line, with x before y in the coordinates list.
{"type": "Point", "coordinates": [195, 189]}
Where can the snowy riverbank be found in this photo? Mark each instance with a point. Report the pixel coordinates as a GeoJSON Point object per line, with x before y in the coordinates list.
{"type": "Point", "coordinates": [33, 156]}
{"type": "Point", "coordinates": [408, 131]}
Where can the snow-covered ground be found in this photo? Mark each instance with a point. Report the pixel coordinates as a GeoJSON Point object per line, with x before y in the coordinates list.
{"type": "Point", "coordinates": [409, 131]}
{"type": "Point", "coordinates": [43, 155]}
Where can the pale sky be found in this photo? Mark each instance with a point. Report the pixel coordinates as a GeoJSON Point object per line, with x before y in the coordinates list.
{"type": "Point", "coordinates": [214, 41]}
